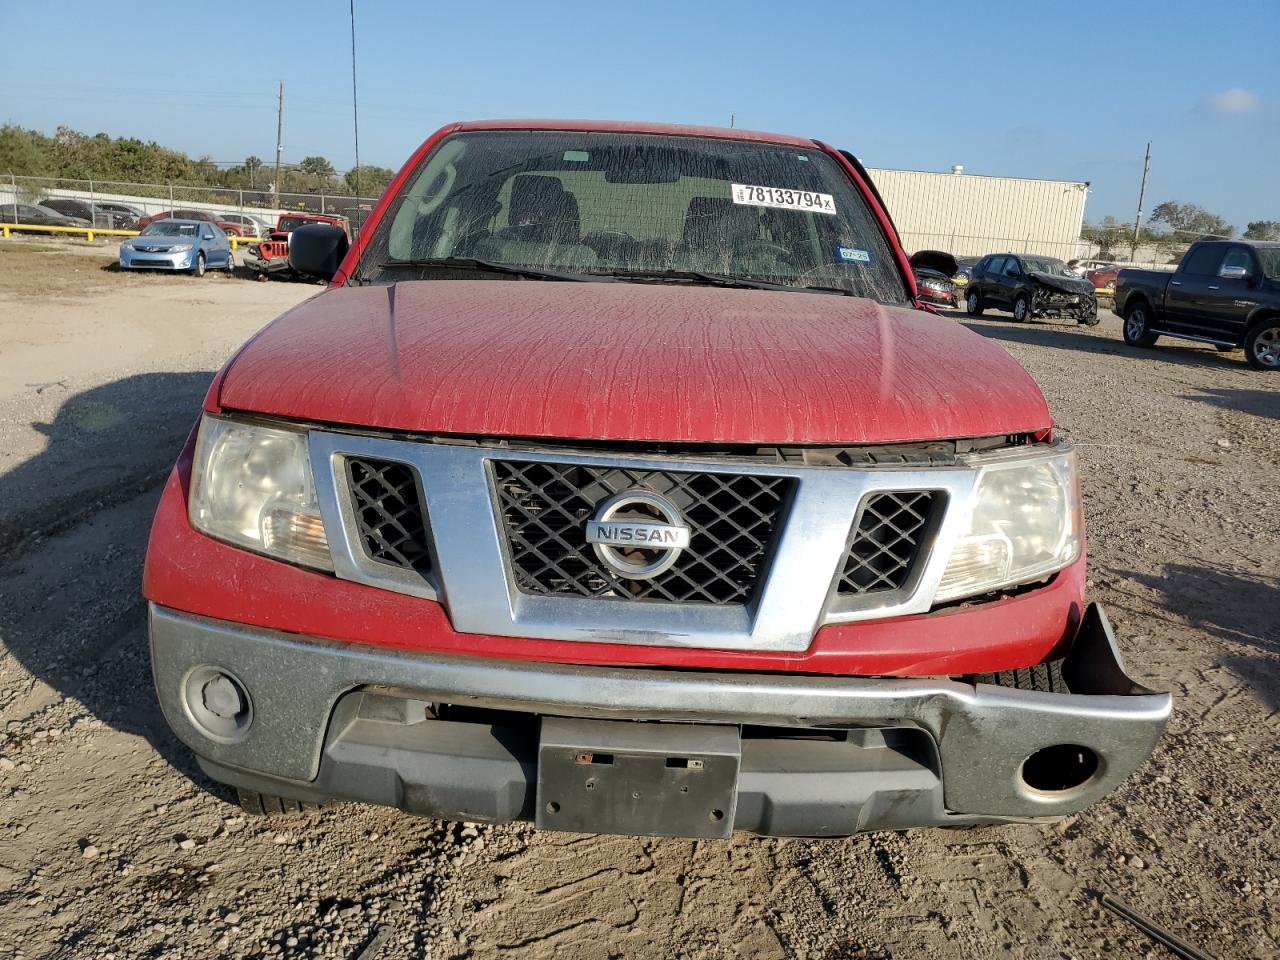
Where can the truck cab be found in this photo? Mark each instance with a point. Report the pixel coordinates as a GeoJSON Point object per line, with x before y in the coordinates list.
{"type": "Point", "coordinates": [1224, 292]}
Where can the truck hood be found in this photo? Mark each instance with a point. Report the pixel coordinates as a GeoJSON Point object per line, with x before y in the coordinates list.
{"type": "Point", "coordinates": [627, 361]}
{"type": "Point", "coordinates": [1065, 284]}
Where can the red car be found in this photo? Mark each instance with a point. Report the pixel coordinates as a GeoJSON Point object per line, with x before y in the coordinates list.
{"type": "Point", "coordinates": [1104, 280]}
{"type": "Point", "coordinates": [225, 226]}
{"type": "Point", "coordinates": [619, 482]}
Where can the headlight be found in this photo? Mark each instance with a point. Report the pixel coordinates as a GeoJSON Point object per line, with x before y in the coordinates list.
{"type": "Point", "coordinates": [1025, 525]}
{"type": "Point", "coordinates": [179, 247]}
{"type": "Point", "coordinates": [251, 486]}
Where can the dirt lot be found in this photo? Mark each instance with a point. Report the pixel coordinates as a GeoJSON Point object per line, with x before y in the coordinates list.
{"type": "Point", "coordinates": [112, 844]}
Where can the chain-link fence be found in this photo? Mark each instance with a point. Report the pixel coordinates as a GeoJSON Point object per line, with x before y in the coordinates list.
{"type": "Point", "coordinates": [260, 207]}
{"type": "Point", "coordinates": [971, 247]}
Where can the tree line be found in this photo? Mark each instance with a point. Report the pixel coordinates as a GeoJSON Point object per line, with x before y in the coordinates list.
{"type": "Point", "coordinates": [71, 155]}
{"type": "Point", "coordinates": [1171, 228]}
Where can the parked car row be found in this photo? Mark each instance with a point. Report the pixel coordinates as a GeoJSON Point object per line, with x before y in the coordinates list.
{"type": "Point", "coordinates": [1223, 292]}
{"type": "Point", "coordinates": [230, 227]}
{"type": "Point", "coordinates": [108, 215]}
{"type": "Point", "coordinates": [112, 215]}
{"type": "Point", "coordinates": [37, 215]}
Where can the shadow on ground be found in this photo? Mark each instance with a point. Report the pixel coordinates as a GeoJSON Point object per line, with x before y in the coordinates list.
{"type": "Point", "coordinates": [1259, 403]}
{"type": "Point", "coordinates": [1066, 337]}
{"type": "Point", "coordinates": [74, 521]}
{"type": "Point", "coordinates": [1239, 607]}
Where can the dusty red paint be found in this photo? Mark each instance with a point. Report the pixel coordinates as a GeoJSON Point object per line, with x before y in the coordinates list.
{"type": "Point", "coordinates": [190, 572]}
{"type": "Point", "coordinates": [626, 361]}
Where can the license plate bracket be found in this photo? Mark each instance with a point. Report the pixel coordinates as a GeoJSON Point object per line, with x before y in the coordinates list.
{"type": "Point", "coordinates": [638, 779]}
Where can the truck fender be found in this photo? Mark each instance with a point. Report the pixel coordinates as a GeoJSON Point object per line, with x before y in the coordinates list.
{"type": "Point", "coordinates": [1260, 313]}
{"type": "Point", "coordinates": [1136, 296]}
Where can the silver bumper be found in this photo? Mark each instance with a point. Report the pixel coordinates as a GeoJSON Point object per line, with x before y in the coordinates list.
{"type": "Point", "coordinates": [982, 733]}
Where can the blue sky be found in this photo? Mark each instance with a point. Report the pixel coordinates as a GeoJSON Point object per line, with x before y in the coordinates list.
{"type": "Point", "coordinates": [1061, 90]}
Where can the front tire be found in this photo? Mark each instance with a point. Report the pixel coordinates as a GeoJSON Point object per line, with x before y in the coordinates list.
{"type": "Point", "coordinates": [198, 269]}
{"type": "Point", "coordinates": [1137, 326]}
{"type": "Point", "coordinates": [1262, 345]}
{"type": "Point", "coordinates": [1021, 309]}
{"type": "Point", "coordinates": [973, 304]}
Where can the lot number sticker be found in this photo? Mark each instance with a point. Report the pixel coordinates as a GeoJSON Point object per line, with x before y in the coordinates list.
{"type": "Point", "coordinates": [783, 199]}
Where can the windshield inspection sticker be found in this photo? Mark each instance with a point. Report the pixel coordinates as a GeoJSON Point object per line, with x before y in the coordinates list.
{"type": "Point", "coordinates": [783, 199]}
{"type": "Point", "coordinates": [854, 255]}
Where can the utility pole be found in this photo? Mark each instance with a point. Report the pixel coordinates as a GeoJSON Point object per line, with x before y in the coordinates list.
{"type": "Point", "coordinates": [279, 131]}
{"type": "Point", "coordinates": [732, 119]}
{"type": "Point", "coordinates": [1142, 192]}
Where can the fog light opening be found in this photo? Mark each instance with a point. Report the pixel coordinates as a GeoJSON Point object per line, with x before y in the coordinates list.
{"type": "Point", "coordinates": [218, 704]}
{"type": "Point", "coordinates": [1059, 768]}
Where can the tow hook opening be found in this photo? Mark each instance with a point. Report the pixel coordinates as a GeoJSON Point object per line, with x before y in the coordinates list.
{"type": "Point", "coordinates": [1059, 768]}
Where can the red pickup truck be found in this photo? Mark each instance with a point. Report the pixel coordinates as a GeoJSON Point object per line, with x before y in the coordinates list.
{"type": "Point", "coordinates": [618, 482]}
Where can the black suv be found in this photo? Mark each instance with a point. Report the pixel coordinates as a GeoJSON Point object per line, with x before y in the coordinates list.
{"type": "Point", "coordinates": [1030, 286]}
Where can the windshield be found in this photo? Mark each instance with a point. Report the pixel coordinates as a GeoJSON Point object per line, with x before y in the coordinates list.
{"type": "Point", "coordinates": [169, 228]}
{"type": "Point", "coordinates": [637, 207]}
{"type": "Point", "coordinates": [1047, 265]}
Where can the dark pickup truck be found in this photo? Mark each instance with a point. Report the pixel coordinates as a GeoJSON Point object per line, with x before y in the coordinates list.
{"type": "Point", "coordinates": [1224, 292]}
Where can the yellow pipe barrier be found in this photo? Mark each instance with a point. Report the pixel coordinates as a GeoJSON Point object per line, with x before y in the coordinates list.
{"type": "Point", "coordinates": [91, 232]}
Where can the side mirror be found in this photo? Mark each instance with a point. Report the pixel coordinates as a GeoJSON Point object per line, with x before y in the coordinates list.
{"type": "Point", "coordinates": [317, 250]}
{"type": "Point", "coordinates": [207, 236]}
{"type": "Point", "coordinates": [1234, 273]}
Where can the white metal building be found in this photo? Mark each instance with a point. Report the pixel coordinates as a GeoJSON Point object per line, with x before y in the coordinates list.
{"type": "Point", "coordinates": [970, 215]}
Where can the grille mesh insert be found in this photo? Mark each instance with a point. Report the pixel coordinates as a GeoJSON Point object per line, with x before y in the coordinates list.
{"type": "Point", "coordinates": [545, 506]}
{"type": "Point", "coordinates": [389, 513]}
{"type": "Point", "coordinates": [888, 541]}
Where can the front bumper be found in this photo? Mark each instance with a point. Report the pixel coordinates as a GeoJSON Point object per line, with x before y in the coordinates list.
{"type": "Point", "coordinates": [936, 298]}
{"type": "Point", "coordinates": [140, 260]}
{"type": "Point", "coordinates": [269, 266]}
{"type": "Point", "coordinates": [476, 739]}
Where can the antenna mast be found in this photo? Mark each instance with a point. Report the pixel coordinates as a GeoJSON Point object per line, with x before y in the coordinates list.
{"type": "Point", "coordinates": [355, 116]}
{"type": "Point", "coordinates": [279, 130]}
{"type": "Point", "coordinates": [1142, 193]}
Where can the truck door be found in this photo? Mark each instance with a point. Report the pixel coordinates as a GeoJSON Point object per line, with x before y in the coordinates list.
{"type": "Point", "coordinates": [1186, 298]}
{"type": "Point", "coordinates": [1231, 295]}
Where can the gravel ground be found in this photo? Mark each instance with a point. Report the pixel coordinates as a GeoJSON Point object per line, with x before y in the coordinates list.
{"type": "Point", "coordinates": [112, 844]}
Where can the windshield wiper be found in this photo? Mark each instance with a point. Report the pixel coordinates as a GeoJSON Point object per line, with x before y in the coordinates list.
{"type": "Point", "coordinates": [721, 280]}
{"type": "Point", "coordinates": [475, 263]}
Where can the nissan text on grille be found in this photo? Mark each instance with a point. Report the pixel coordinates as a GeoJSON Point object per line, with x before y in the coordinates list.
{"type": "Point", "coordinates": [620, 482]}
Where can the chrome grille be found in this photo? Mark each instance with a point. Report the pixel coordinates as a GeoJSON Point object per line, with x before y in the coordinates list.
{"type": "Point", "coordinates": [889, 539]}
{"type": "Point", "coordinates": [544, 508]}
{"type": "Point", "coordinates": [389, 513]}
